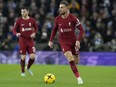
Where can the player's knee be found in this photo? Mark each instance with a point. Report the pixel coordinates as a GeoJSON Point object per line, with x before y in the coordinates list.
{"type": "Point", "coordinates": [69, 56]}
{"type": "Point", "coordinates": [32, 56]}
{"type": "Point", "coordinates": [70, 59]}
{"type": "Point", "coordinates": [23, 57]}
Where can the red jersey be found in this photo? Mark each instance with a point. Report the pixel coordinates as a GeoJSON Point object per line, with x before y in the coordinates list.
{"type": "Point", "coordinates": [66, 28]}
{"type": "Point", "coordinates": [25, 27]}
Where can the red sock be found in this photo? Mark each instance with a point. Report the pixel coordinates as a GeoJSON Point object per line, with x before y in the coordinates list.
{"type": "Point", "coordinates": [74, 68]}
{"type": "Point", "coordinates": [22, 63]}
{"type": "Point", "coordinates": [30, 62]}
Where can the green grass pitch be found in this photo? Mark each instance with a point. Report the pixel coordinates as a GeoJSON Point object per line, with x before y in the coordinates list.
{"type": "Point", "coordinates": [93, 76]}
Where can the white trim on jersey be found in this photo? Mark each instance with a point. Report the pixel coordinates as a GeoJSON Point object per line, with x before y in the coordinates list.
{"type": "Point", "coordinates": [78, 22]}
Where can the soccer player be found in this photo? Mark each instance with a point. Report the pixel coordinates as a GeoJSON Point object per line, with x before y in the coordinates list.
{"type": "Point", "coordinates": [65, 24]}
{"type": "Point", "coordinates": [25, 29]}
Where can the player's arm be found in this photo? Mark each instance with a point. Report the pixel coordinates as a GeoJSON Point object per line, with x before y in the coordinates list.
{"type": "Point", "coordinates": [81, 33]}
{"type": "Point", "coordinates": [35, 29]}
{"type": "Point", "coordinates": [54, 31]}
{"type": "Point", "coordinates": [15, 29]}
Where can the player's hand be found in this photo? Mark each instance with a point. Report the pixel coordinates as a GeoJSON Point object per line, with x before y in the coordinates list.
{"type": "Point", "coordinates": [18, 34]}
{"type": "Point", "coordinates": [77, 44]}
{"type": "Point", "coordinates": [50, 44]}
{"type": "Point", "coordinates": [32, 35]}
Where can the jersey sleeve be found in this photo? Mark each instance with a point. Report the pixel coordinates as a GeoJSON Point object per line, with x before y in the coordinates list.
{"type": "Point", "coordinates": [54, 31]}
{"type": "Point", "coordinates": [16, 27]}
{"type": "Point", "coordinates": [35, 26]}
{"type": "Point", "coordinates": [80, 28]}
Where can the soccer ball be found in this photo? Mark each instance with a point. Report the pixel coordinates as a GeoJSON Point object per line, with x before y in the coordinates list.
{"type": "Point", "coordinates": [49, 78]}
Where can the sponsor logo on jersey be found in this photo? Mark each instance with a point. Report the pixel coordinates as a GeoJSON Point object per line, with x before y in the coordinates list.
{"type": "Point", "coordinates": [26, 29]}
{"type": "Point", "coordinates": [66, 30]}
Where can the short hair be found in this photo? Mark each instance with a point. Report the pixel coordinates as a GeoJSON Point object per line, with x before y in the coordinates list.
{"type": "Point", "coordinates": [64, 2]}
{"type": "Point", "coordinates": [25, 8]}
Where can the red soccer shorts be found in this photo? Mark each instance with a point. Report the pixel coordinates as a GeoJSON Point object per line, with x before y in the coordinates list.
{"type": "Point", "coordinates": [69, 47]}
{"type": "Point", "coordinates": [27, 46]}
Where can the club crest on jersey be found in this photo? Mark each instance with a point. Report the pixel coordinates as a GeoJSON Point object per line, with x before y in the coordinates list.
{"type": "Point", "coordinates": [69, 23]}
{"type": "Point", "coordinates": [29, 24]}
{"type": "Point", "coordinates": [61, 30]}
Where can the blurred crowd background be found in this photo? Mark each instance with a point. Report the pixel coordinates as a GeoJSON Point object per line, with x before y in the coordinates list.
{"type": "Point", "coordinates": [98, 18]}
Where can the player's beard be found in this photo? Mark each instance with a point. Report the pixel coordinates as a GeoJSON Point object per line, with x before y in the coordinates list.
{"type": "Point", "coordinates": [25, 16]}
{"type": "Point", "coordinates": [62, 13]}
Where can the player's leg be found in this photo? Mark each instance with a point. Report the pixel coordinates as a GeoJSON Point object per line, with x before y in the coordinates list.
{"type": "Point", "coordinates": [31, 51]}
{"type": "Point", "coordinates": [22, 63]}
{"type": "Point", "coordinates": [31, 60]}
{"type": "Point", "coordinates": [22, 51]}
{"type": "Point", "coordinates": [77, 59]}
{"type": "Point", "coordinates": [70, 58]}
{"type": "Point", "coordinates": [69, 51]}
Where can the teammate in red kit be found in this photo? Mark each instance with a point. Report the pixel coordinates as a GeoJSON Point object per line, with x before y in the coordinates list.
{"type": "Point", "coordinates": [65, 24]}
{"type": "Point", "coordinates": [26, 28]}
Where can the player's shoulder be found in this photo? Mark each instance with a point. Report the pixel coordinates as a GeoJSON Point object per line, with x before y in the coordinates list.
{"type": "Point", "coordinates": [19, 19]}
{"type": "Point", "coordinates": [31, 18]}
{"type": "Point", "coordinates": [57, 17]}
{"type": "Point", "coordinates": [72, 16]}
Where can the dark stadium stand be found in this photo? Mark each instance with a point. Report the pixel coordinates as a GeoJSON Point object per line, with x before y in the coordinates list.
{"type": "Point", "coordinates": [98, 18]}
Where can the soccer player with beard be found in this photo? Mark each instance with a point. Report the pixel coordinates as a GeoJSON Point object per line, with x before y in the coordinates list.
{"type": "Point", "coordinates": [25, 29]}
{"type": "Point", "coordinates": [65, 24]}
